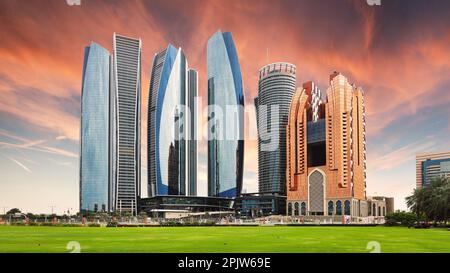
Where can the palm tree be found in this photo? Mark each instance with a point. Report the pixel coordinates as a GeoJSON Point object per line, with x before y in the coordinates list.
{"type": "Point", "coordinates": [432, 201]}
{"type": "Point", "coordinates": [415, 201]}
{"type": "Point", "coordinates": [440, 198]}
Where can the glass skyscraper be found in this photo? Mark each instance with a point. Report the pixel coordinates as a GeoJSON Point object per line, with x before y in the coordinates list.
{"type": "Point", "coordinates": [127, 108]}
{"type": "Point", "coordinates": [169, 125]}
{"type": "Point", "coordinates": [430, 166]}
{"type": "Point", "coordinates": [225, 117]}
{"type": "Point", "coordinates": [94, 138]}
{"type": "Point", "coordinates": [193, 136]}
{"type": "Point", "coordinates": [276, 87]}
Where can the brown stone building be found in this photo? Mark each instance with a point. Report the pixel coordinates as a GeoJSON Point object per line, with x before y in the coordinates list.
{"type": "Point", "coordinates": [326, 151]}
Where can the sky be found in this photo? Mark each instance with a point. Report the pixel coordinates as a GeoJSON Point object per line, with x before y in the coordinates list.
{"type": "Point", "coordinates": [398, 52]}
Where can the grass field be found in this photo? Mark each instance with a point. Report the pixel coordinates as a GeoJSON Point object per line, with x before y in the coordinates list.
{"type": "Point", "coordinates": [223, 239]}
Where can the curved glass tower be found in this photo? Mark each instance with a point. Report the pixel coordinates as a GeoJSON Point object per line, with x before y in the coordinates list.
{"type": "Point", "coordinates": [225, 117]}
{"type": "Point", "coordinates": [94, 152]}
{"type": "Point", "coordinates": [168, 124]}
{"type": "Point", "coordinates": [275, 91]}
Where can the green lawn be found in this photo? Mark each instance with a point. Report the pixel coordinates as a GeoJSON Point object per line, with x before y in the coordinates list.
{"type": "Point", "coordinates": [223, 239]}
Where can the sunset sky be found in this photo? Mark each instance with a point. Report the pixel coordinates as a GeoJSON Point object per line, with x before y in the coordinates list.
{"type": "Point", "coordinates": [398, 52]}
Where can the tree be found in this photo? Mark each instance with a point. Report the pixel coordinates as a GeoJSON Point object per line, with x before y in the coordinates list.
{"type": "Point", "coordinates": [142, 215]}
{"type": "Point", "coordinates": [13, 211]}
{"type": "Point", "coordinates": [432, 201]}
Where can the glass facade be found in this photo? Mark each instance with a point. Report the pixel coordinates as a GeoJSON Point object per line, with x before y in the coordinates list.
{"type": "Point", "coordinates": [95, 114]}
{"type": "Point", "coordinates": [435, 168]}
{"type": "Point", "coordinates": [316, 131]}
{"type": "Point", "coordinates": [276, 88]}
{"type": "Point", "coordinates": [169, 152]}
{"type": "Point", "coordinates": [192, 141]}
{"type": "Point", "coordinates": [225, 136]}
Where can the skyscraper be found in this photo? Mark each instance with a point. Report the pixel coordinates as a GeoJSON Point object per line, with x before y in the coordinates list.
{"type": "Point", "coordinates": [127, 100]}
{"type": "Point", "coordinates": [192, 131]}
{"type": "Point", "coordinates": [169, 124]}
{"type": "Point", "coordinates": [225, 117]}
{"type": "Point", "coordinates": [326, 151]}
{"type": "Point", "coordinates": [95, 191]}
{"type": "Point", "coordinates": [431, 165]}
{"type": "Point", "coordinates": [276, 88]}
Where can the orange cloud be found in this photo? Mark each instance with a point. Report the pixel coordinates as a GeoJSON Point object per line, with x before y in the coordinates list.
{"type": "Point", "coordinates": [398, 61]}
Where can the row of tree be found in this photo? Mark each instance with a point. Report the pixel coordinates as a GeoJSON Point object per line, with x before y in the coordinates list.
{"type": "Point", "coordinates": [91, 216]}
{"type": "Point", "coordinates": [432, 202]}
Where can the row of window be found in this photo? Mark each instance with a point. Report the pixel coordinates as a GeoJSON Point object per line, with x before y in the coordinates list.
{"type": "Point", "coordinates": [381, 210]}
{"type": "Point", "coordinates": [300, 208]}
{"type": "Point", "coordinates": [297, 210]}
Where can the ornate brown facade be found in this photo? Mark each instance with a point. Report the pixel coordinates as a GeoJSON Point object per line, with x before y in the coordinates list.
{"type": "Point", "coordinates": [326, 151]}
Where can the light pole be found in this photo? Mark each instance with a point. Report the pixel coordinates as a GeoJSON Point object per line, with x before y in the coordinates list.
{"type": "Point", "coordinates": [52, 213]}
{"type": "Point", "coordinates": [52, 209]}
{"type": "Point", "coordinates": [4, 210]}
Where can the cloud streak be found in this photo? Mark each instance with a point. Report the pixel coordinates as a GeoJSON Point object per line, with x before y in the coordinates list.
{"type": "Point", "coordinates": [20, 164]}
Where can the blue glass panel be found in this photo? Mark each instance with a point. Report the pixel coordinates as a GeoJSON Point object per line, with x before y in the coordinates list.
{"type": "Point", "coordinates": [316, 131]}
{"type": "Point", "coordinates": [225, 156]}
{"type": "Point", "coordinates": [162, 187]}
{"type": "Point", "coordinates": [94, 154]}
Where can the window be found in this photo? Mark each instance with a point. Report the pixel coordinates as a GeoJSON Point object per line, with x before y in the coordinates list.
{"type": "Point", "coordinates": [339, 207]}
{"type": "Point", "coordinates": [374, 210]}
{"type": "Point", "coordinates": [290, 209]}
{"type": "Point", "coordinates": [347, 207]}
{"type": "Point", "coordinates": [330, 208]}
{"type": "Point", "coordinates": [379, 211]}
{"type": "Point", "coordinates": [303, 208]}
{"type": "Point", "coordinates": [296, 209]}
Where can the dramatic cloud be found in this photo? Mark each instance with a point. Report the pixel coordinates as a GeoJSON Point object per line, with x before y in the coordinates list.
{"type": "Point", "coordinates": [398, 52]}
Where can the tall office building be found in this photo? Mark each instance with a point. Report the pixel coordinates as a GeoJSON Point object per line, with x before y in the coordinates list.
{"type": "Point", "coordinates": [431, 165]}
{"type": "Point", "coordinates": [326, 151]}
{"type": "Point", "coordinates": [171, 160]}
{"type": "Point", "coordinates": [95, 190]}
{"type": "Point", "coordinates": [126, 84]}
{"type": "Point", "coordinates": [225, 117]}
{"type": "Point", "coordinates": [276, 88]}
{"type": "Point", "coordinates": [192, 131]}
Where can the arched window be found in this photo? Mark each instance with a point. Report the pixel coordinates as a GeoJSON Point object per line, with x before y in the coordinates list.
{"type": "Point", "coordinates": [379, 211]}
{"type": "Point", "coordinates": [339, 207]}
{"type": "Point", "coordinates": [384, 211]}
{"type": "Point", "coordinates": [347, 207]}
{"type": "Point", "coordinates": [290, 209]}
{"type": "Point", "coordinates": [303, 207]}
{"type": "Point", "coordinates": [316, 205]}
{"type": "Point", "coordinates": [296, 209]}
{"type": "Point", "coordinates": [330, 208]}
{"type": "Point", "coordinates": [374, 210]}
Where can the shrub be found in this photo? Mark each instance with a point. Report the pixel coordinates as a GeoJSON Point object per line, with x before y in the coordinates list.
{"type": "Point", "coordinates": [70, 225]}
{"type": "Point", "coordinates": [187, 224]}
{"type": "Point", "coordinates": [401, 218]}
{"type": "Point", "coordinates": [112, 224]}
{"type": "Point", "coordinates": [47, 224]}
{"type": "Point", "coordinates": [94, 225]}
